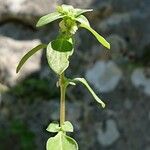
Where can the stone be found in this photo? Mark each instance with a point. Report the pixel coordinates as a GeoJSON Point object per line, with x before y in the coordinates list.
{"type": "Point", "coordinates": [11, 52]}
{"type": "Point", "coordinates": [141, 80]}
{"type": "Point", "coordinates": [118, 49]}
{"type": "Point", "coordinates": [79, 3]}
{"type": "Point", "coordinates": [25, 10]}
{"type": "Point", "coordinates": [129, 25]}
{"type": "Point", "coordinates": [110, 135]}
{"type": "Point", "coordinates": [104, 76]}
{"type": "Point", "coordinates": [128, 104]}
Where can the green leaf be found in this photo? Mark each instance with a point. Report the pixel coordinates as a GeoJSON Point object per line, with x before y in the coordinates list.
{"type": "Point", "coordinates": [61, 142]}
{"type": "Point", "coordinates": [61, 45]}
{"type": "Point", "coordinates": [58, 53]}
{"type": "Point", "coordinates": [84, 82]}
{"type": "Point", "coordinates": [48, 19]}
{"type": "Point", "coordinates": [98, 37]}
{"type": "Point", "coordinates": [83, 20]}
{"type": "Point", "coordinates": [28, 55]}
{"type": "Point", "coordinates": [81, 11]}
{"type": "Point", "coordinates": [53, 127]}
{"type": "Point", "coordinates": [67, 127]}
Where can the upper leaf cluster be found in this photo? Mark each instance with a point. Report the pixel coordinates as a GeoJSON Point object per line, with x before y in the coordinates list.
{"type": "Point", "coordinates": [60, 49]}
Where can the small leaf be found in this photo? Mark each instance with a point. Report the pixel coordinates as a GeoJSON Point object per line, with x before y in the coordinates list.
{"type": "Point", "coordinates": [83, 20]}
{"type": "Point", "coordinates": [49, 18]}
{"type": "Point", "coordinates": [81, 11]}
{"type": "Point", "coordinates": [98, 37]}
{"type": "Point", "coordinates": [61, 142]}
{"type": "Point", "coordinates": [53, 127]}
{"type": "Point", "coordinates": [67, 127]}
{"type": "Point", "coordinates": [58, 53]}
{"type": "Point", "coordinates": [28, 55]}
{"type": "Point", "coordinates": [82, 80]}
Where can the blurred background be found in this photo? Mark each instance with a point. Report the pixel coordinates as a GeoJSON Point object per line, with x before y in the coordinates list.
{"type": "Point", "coordinates": [29, 101]}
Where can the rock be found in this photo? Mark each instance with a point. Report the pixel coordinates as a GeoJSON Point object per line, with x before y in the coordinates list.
{"type": "Point", "coordinates": [128, 104]}
{"type": "Point", "coordinates": [105, 76]}
{"type": "Point", "coordinates": [11, 51]}
{"type": "Point", "coordinates": [149, 116]}
{"type": "Point", "coordinates": [110, 135]}
{"type": "Point", "coordinates": [25, 10]}
{"type": "Point", "coordinates": [118, 49]}
{"type": "Point", "coordinates": [129, 25]}
{"type": "Point", "coordinates": [74, 112]}
{"type": "Point", "coordinates": [79, 3]}
{"type": "Point", "coordinates": [141, 80]}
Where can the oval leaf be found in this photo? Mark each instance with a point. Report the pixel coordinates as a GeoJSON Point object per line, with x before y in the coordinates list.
{"type": "Point", "coordinates": [61, 142]}
{"type": "Point", "coordinates": [98, 37]}
{"type": "Point", "coordinates": [48, 19]}
{"type": "Point", "coordinates": [67, 127]}
{"type": "Point", "coordinates": [84, 82]}
{"type": "Point", "coordinates": [53, 127]}
{"type": "Point", "coordinates": [58, 53]}
{"type": "Point", "coordinates": [28, 55]}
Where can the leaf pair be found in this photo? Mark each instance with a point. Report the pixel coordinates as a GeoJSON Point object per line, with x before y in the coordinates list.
{"type": "Point", "coordinates": [54, 127]}
{"type": "Point", "coordinates": [61, 141]}
{"type": "Point", "coordinates": [58, 52]}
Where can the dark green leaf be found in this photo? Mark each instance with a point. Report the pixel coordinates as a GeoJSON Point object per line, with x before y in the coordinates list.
{"type": "Point", "coordinates": [48, 19]}
{"type": "Point", "coordinates": [61, 45]}
{"type": "Point", "coordinates": [98, 37]}
{"type": "Point", "coordinates": [28, 55]}
{"type": "Point", "coordinates": [84, 82]}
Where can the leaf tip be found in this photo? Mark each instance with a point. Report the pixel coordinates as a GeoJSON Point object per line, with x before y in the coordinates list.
{"type": "Point", "coordinates": [17, 69]}
{"type": "Point", "coordinates": [108, 46]}
{"type": "Point", "coordinates": [37, 25]}
{"type": "Point", "coordinates": [103, 105]}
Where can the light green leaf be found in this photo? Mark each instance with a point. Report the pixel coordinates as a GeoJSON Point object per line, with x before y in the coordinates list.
{"type": "Point", "coordinates": [58, 53]}
{"type": "Point", "coordinates": [28, 55]}
{"type": "Point", "coordinates": [83, 20]}
{"type": "Point", "coordinates": [98, 37]}
{"type": "Point", "coordinates": [61, 142]}
{"type": "Point", "coordinates": [67, 127]}
{"type": "Point", "coordinates": [81, 11]}
{"type": "Point", "coordinates": [48, 19]}
{"type": "Point", "coordinates": [82, 80]}
{"type": "Point", "coordinates": [53, 127]}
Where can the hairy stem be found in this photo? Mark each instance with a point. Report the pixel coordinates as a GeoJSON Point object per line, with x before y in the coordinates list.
{"type": "Point", "coordinates": [62, 99]}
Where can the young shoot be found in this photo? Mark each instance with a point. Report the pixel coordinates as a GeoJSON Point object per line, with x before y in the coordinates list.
{"type": "Point", "coordinates": [58, 52]}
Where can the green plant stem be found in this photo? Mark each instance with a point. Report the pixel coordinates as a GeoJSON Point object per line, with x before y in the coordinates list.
{"type": "Point", "coordinates": [62, 99]}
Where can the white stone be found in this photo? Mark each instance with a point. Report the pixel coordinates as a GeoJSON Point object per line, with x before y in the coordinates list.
{"type": "Point", "coordinates": [11, 52]}
{"type": "Point", "coordinates": [111, 135]}
{"type": "Point", "coordinates": [105, 76]}
{"type": "Point", "coordinates": [139, 79]}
